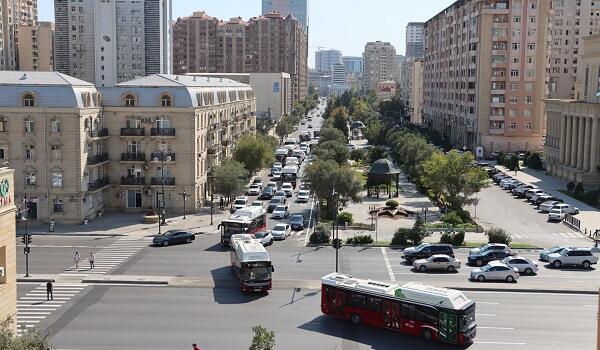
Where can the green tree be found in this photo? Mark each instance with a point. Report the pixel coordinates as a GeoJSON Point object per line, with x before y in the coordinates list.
{"type": "Point", "coordinates": [333, 150]}
{"type": "Point", "coordinates": [358, 154]}
{"type": "Point", "coordinates": [452, 179]}
{"type": "Point", "coordinates": [376, 153]}
{"type": "Point", "coordinates": [229, 178]}
{"type": "Point", "coordinates": [254, 152]}
{"type": "Point", "coordinates": [512, 162]}
{"type": "Point", "coordinates": [332, 134]}
{"type": "Point", "coordinates": [32, 339]}
{"type": "Point", "coordinates": [263, 339]}
{"type": "Point", "coordinates": [535, 161]}
{"type": "Point", "coordinates": [418, 232]}
{"type": "Point", "coordinates": [339, 120]}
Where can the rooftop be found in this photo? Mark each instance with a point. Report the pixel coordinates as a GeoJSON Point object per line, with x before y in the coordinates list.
{"type": "Point", "coordinates": [40, 79]}
{"type": "Point", "coordinates": [163, 80]}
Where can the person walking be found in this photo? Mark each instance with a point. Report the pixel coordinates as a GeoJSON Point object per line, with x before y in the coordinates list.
{"type": "Point", "coordinates": [49, 287]}
{"type": "Point", "coordinates": [195, 347]}
{"type": "Point", "coordinates": [92, 258]}
{"type": "Point", "coordinates": [77, 259]}
{"type": "Point", "coordinates": [221, 203]}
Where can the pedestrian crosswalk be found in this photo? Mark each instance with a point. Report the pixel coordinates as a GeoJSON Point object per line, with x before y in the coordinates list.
{"type": "Point", "coordinates": [34, 306]}
{"type": "Point", "coordinates": [109, 257]}
{"type": "Point", "coordinates": [567, 235]}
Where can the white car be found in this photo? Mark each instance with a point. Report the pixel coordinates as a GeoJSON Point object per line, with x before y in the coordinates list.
{"type": "Point", "coordinates": [265, 237]}
{"type": "Point", "coordinates": [495, 270]}
{"type": "Point", "coordinates": [547, 206]}
{"type": "Point", "coordinates": [523, 265]}
{"type": "Point", "coordinates": [437, 262]}
{"type": "Point", "coordinates": [533, 191]}
{"type": "Point", "coordinates": [287, 188]}
{"type": "Point", "coordinates": [281, 212]}
{"type": "Point", "coordinates": [280, 193]}
{"type": "Point", "coordinates": [281, 231]}
{"type": "Point", "coordinates": [303, 196]}
{"type": "Point", "coordinates": [292, 161]}
{"type": "Point", "coordinates": [277, 174]}
{"type": "Point", "coordinates": [581, 257]}
{"type": "Point", "coordinates": [254, 190]}
{"type": "Point", "coordinates": [535, 195]}
{"type": "Point", "coordinates": [567, 208]}
{"type": "Point", "coordinates": [556, 215]}
{"type": "Point", "coordinates": [239, 203]}
{"type": "Point", "coordinates": [258, 204]}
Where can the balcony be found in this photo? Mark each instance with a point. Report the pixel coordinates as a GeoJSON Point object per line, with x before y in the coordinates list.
{"type": "Point", "coordinates": [133, 157]}
{"type": "Point", "coordinates": [98, 184]}
{"type": "Point", "coordinates": [133, 180]}
{"type": "Point", "coordinates": [97, 158]}
{"type": "Point", "coordinates": [496, 131]}
{"type": "Point", "coordinates": [162, 132]}
{"type": "Point", "coordinates": [99, 133]}
{"type": "Point", "coordinates": [159, 181]}
{"type": "Point", "coordinates": [162, 157]}
{"type": "Point", "coordinates": [133, 132]}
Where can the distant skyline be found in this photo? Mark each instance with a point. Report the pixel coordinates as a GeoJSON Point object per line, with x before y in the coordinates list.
{"type": "Point", "coordinates": [345, 25]}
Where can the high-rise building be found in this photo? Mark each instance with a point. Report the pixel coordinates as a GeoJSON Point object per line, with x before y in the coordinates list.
{"type": "Point", "coordinates": [325, 59]}
{"type": "Point", "coordinates": [354, 65]}
{"type": "Point", "coordinates": [36, 47]}
{"type": "Point", "coordinates": [14, 14]}
{"type": "Point", "coordinates": [338, 74]}
{"type": "Point", "coordinates": [106, 42]}
{"type": "Point", "coordinates": [411, 89]}
{"type": "Point", "coordinates": [265, 44]}
{"type": "Point", "coordinates": [296, 8]}
{"type": "Point", "coordinates": [379, 63]}
{"type": "Point", "coordinates": [415, 42]}
{"type": "Point", "coordinates": [485, 73]}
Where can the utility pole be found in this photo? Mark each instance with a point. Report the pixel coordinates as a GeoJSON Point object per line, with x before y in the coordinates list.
{"type": "Point", "coordinates": [184, 195]}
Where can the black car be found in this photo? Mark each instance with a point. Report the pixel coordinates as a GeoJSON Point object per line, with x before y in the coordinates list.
{"type": "Point", "coordinates": [297, 222]}
{"type": "Point", "coordinates": [173, 237]}
{"type": "Point", "coordinates": [267, 193]}
{"type": "Point", "coordinates": [426, 250]}
{"type": "Point", "coordinates": [486, 257]}
{"type": "Point", "coordinates": [274, 203]}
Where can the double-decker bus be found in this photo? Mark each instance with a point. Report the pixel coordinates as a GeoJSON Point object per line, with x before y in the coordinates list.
{"type": "Point", "coordinates": [246, 220]}
{"type": "Point", "coordinates": [430, 312]}
{"type": "Point", "coordinates": [251, 263]}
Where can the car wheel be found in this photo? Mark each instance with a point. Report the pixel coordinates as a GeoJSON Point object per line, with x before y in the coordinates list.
{"type": "Point", "coordinates": [355, 318]}
{"type": "Point", "coordinates": [451, 268]}
{"type": "Point", "coordinates": [426, 334]}
{"type": "Point", "coordinates": [557, 264]}
{"type": "Point", "coordinates": [481, 278]}
{"type": "Point", "coordinates": [165, 243]}
{"type": "Point", "coordinates": [528, 271]}
{"type": "Point", "coordinates": [586, 264]}
{"type": "Point", "coordinates": [510, 279]}
{"type": "Point", "coordinates": [479, 262]}
{"type": "Point", "coordinates": [188, 240]}
{"type": "Point", "coordinates": [422, 268]}
{"type": "Point", "coordinates": [271, 243]}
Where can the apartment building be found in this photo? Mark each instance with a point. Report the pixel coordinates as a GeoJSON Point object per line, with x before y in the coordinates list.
{"type": "Point", "coordinates": [36, 47]}
{"type": "Point", "coordinates": [266, 44]}
{"type": "Point", "coordinates": [325, 59]}
{"type": "Point", "coordinates": [13, 15]}
{"type": "Point", "coordinates": [106, 42]}
{"type": "Point", "coordinates": [415, 40]}
{"type": "Point", "coordinates": [379, 63]}
{"type": "Point", "coordinates": [296, 8]}
{"type": "Point", "coordinates": [485, 73]}
{"type": "Point", "coordinates": [8, 251]}
{"type": "Point", "coordinates": [573, 131]}
{"type": "Point", "coordinates": [411, 89]}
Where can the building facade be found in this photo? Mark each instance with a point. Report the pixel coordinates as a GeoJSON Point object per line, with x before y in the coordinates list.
{"type": "Point", "coordinates": [379, 63]}
{"type": "Point", "coordinates": [411, 89]}
{"type": "Point", "coordinates": [36, 47]}
{"type": "Point", "coordinates": [400, 59]}
{"type": "Point", "coordinates": [106, 42]}
{"type": "Point", "coordinates": [485, 73]}
{"type": "Point", "coordinates": [573, 127]}
{"type": "Point", "coordinates": [8, 251]}
{"type": "Point", "coordinates": [14, 14]}
{"type": "Point", "coordinates": [386, 90]}
{"type": "Point", "coordinates": [325, 59]}
{"type": "Point", "coordinates": [354, 65]}
{"type": "Point", "coordinates": [415, 40]}
{"type": "Point", "coordinates": [296, 8]}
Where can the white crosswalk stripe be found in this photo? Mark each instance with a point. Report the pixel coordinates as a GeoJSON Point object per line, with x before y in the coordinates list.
{"type": "Point", "coordinates": [34, 306]}
{"type": "Point", "coordinates": [110, 257]}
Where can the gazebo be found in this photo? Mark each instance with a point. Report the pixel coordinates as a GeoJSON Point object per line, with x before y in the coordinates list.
{"type": "Point", "coordinates": [382, 172]}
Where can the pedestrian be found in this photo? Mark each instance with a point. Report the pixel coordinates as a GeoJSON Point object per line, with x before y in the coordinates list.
{"type": "Point", "coordinates": [195, 347]}
{"type": "Point", "coordinates": [49, 287]}
{"type": "Point", "coordinates": [77, 259]}
{"type": "Point", "coordinates": [221, 203]}
{"type": "Point", "coordinates": [91, 259]}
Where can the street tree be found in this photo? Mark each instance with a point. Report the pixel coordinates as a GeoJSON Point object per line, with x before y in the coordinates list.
{"type": "Point", "coordinates": [263, 339]}
{"type": "Point", "coordinates": [333, 150]}
{"type": "Point", "coordinates": [283, 128]}
{"type": "Point", "coordinates": [229, 178]}
{"type": "Point", "coordinates": [452, 179]}
{"type": "Point", "coordinates": [332, 134]}
{"type": "Point", "coordinates": [339, 120]}
{"type": "Point", "coordinates": [254, 152]}
{"type": "Point", "coordinates": [418, 233]}
{"type": "Point", "coordinates": [32, 339]}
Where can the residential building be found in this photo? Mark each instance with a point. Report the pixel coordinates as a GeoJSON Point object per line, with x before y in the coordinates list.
{"type": "Point", "coordinates": [8, 249]}
{"type": "Point", "coordinates": [36, 47]}
{"type": "Point", "coordinates": [325, 59]}
{"type": "Point", "coordinates": [386, 90]}
{"type": "Point", "coordinates": [296, 8]}
{"type": "Point", "coordinates": [485, 74]}
{"type": "Point", "coordinates": [106, 42]}
{"type": "Point", "coordinates": [354, 65]}
{"type": "Point", "coordinates": [572, 147]}
{"type": "Point", "coordinates": [415, 40]}
{"type": "Point", "coordinates": [14, 14]}
{"type": "Point", "coordinates": [379, 63]}
{"type": "Point", "coordinates": [411, 89]}
{"type": "Point", "coordinates": [265, 44]}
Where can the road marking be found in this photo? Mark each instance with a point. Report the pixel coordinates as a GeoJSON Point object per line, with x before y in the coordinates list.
{"type": "Point", "coordinates": [590, 305]}
{"type": "Point", "coordinates": [488, 302]}
{"type": "Point", "coordinates": [498, 342]}
{"type": "Point", "coordinates": [388, 265]}
{"type": "Point", "coordinates": [564, 235]}
{"type": "Point", "coordinates": [491, 315]}
{"type": "Point", "coordinates": [499, 328]}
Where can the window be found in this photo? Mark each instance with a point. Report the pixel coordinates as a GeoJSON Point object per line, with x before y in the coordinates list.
{"type": "Point", "coordinates": [28, 100]}
{"type": "Point", "coordinates": [30, 177]}
{"type": "Point", "coordinates": [55, 152]}
{"type": "Point", "coordinates": [512, 126]}
{"type": "Point", "coordinates": [527, 113]}
{"type": "Point", "coordinates": [29, 125]}
{"type": "Point", "coordinates": [357, 300]}
{"type": "Point", "coordinates": [527, 126]}
{"type": "Point", "coordinates": [514, 73]}
{"type": "Point", "coordinates": [165, 101]}
{"type": "Point", "coordinates": [3, 152]}
{"type": "Point", "coordinates": [55, 126]}
{"type": "Point", "coordinates": [529, 99]}
{"type": "Point", "coordinates": [57, 206]}
{"type": "Point", "coordinates": [129, 101]}
{"type": "Point", "coordinates": [3, 124]}
{"type": "Point", "coordinates": [57, 179]}
{"type": "Point", "coordinates": [374, 304]}
{"type": "Point", "coordinates": [29, 152]}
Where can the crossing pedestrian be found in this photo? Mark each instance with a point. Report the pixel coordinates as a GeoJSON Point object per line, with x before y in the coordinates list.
{"type": "Point", "coordinates": [92, 258]}
{"type": "Point", "coordinates": [49, 287]}
{"type": "Point", "coordinates": [77, 259]}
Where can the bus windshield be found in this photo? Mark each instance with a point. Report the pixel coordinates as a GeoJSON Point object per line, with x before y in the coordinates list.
{"type": "Point", "coordinates": [257, 274]}
{"type": "Point", "coordinates": [230, 228]}
{"type": "Point", "coordinates": [467, 320]}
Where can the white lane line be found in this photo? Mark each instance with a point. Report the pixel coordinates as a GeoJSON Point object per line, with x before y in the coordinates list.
{"type": "Point", "coordinates": [498, 342]}
{"type": "Point", "coordinates": [388, 265]}
{"type": "Point", "coordinates": [590, 305]}
{"type": "Point", "coordinates": [487, 302]}
{"type": "Point", "coordinates": [491, 315]}
{"type": "Point", "coordinates": [499, 328]}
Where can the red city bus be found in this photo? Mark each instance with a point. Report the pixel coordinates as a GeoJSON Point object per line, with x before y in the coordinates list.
{"type": "Point", "coordinates": [246, 220]}
{"type": "Point", "coordinates": [251, 263]}
{"type": "Point", "coordinates": [416, 309]}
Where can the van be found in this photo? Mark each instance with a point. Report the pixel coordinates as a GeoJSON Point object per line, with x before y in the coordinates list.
{"type": "Point", "coordinates": [291, 161]}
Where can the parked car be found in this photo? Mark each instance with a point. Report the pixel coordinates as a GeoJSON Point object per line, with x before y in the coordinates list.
{"type": "Point", "coordinates": [437, 262]}
{"type": "Point", "coordinates": [287, 188]}
{"type": "Point", "coordinates": [556, 215]}
{"type": "Point", "coordinates": [492, 156]}
{"type": "Point", "coordinates": [267, 193]}
{"type": "Point", "coordinates": [548, 205]}
{"type": "Point", "coordinates": [303, 196]}
{"type": "Point", "coordinates": [567, 208]}
{"type": "Point", "coordinates": [281, 212]}
{"type": "Point", "coordinates": [274, 203]}
{"type": "Point", "coordinates": [534, 192]}
{"type": "Point", "coordinates": [253, 190]}
{"type": "Point", "coordinates": [265, 237]}
{"type": "Point", "coordinates": [495, 270]}
{"type": "Point", "coordinates": [281, 231]}
{"type": "Point", "coordinates": [541, 199]}
{"type": "Point", "coordinates": [426, 250]}
{"type": "Point", "coordinates": [490, 247]}
{"type": "Point", "coordinates": [172, 237]}
{"type": "Point", "coordinates": [239, 203]}
{"type": "Point", "coordinates": [479, 259]}
{"type": "Point", "coordinates": [504, 182]}
{"type": "Point", "coordinates": [556, 249]}
{"type": "Point", "coordinates": [523, 265]}
{"type": "Point", "coordinates": [520, 190]}
{"type": "Point", "coordinates": [581, 257]}
{"type": "Point", "coordinates": [499, 177]}
{"type": "Point", "coordinates": [297, 222]}
{"type": "Point", "coordinates": [509, 185]}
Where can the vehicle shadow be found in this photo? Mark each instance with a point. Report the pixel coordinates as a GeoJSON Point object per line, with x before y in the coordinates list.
{"type": "Point", "coordinates": [435, 272]}
{"type": "Point", "coordinates": [217, 247]}
{"type": "Point", "coordinates": [570, 268]}
{"type": "Point", "coordinates": [226, 288]}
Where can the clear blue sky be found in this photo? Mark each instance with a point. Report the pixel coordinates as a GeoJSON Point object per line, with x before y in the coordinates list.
{"type": "Point", "coordinates": [345, 25]}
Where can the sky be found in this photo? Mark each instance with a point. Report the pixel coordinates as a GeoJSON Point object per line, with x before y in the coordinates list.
{"type": "Point", "coordinates": [345, 25]}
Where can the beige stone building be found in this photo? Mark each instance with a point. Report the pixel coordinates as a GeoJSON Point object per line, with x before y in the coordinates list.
{"type": "Point", "coordinates": [411, 89]}
{"type": "Point", "coordinates": [573, 139]}
{"type": "Point", "coordinates": [485, 73]}
{"type": "Point", "coordinates": [36, 47]}
{"type": "Point", "coordinates": [379, 59]}
{"type": "Point", "coordinates": [8, 258]}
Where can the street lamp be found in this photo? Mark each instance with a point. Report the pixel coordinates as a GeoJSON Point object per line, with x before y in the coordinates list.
{"type": "Point", "coordinates": [27, 238]}
{"type": "Point", "coordinates": [162, 184]}
{"type": "Point", "coordinates": [184, 195]}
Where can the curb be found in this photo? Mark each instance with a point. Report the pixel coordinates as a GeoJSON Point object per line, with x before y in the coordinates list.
{"type": "Point", "coordinates": [146, 282]}
{"type": "Point", "coordinates": [35, 280]}
{"type": "Point", "coordinates": [77, 234]}
{"type": "Point", "coordinates": [525, 290]}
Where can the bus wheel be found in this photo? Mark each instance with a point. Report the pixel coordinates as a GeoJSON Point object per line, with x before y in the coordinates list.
{"type": "Point", "coordinates": [355, 318]}
{"type": "Point", "coordinates": [426, 334]}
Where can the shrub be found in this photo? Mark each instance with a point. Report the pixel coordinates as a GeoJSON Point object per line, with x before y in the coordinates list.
{"type": "Point", "coordinates": [501, 158]}
{"type": "Point", "coordinates": [592, 198]}
{"type": "Point", "coordinates": [452, 218]}
{"type": "Point", "coordinates": [465, 216]}
{"type": "Point", "coordinates": [321, 235]}
{"type": "Point", "coordinates": [570, 186]}
{"type": "Point", "coordinates": [454, 238]}
{"type": "Point", "coordinates": [535, 162]}
{"type": "Point", "coordinates": [345, 217]}
{"type": "Point", "coordinates": [446, 238]}
{"type": "Point", "coordinates": [401, 237]}
{"type": "Point", "coordinates": [360, 239]}
{"type": "Point", "coordinates": [392, 204]}
{"type": "Point", "coordinates": [418, 232]}
{"type": "Point", "coordinates": [512, 162]}
{"type": "Point", "coordinates": [578, 192]}
{"type": "Point", "coordinates": [358, 154]}
{"type": "Point", "coordinates": [498, 235]}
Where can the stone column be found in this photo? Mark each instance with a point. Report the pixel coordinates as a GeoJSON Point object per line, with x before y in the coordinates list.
{"type": "Point", "coordinates": [586, 144]}
{"type": "Point", "coordinates": [580, 142]}
{"type": "Point", "coordinates": [574, 136]}
{"type": "Point", "coordinates": [562, 138]}
{"type": "Point", "coordinates": [594, 148]}
{"type": "Point", "coordinates": [567, 141]}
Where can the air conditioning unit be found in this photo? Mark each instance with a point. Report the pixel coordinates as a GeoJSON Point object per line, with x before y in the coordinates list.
{"type": "Point", "coordinates": [2, 272]}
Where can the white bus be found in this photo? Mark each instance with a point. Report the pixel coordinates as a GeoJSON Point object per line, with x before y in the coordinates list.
{"type": "Point", "coordinates": [251, 263]}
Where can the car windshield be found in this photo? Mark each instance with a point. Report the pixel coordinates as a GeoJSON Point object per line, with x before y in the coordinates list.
{"type": "Point", "coordinates": [280, 208]}
{"type": "Point", "coordinates": [259, 234]}
{"type": "Point", "coordinates": [421, 246]}
{"type": "Point", "coordinates": [254, 274]}
{"type": "Point", "coordinates": [279, 227]}
{"type": "Point", "coordinates": [297, 218]}
{"type": "Point", "coordinates": [275, 201]}
{"type": "Point", "coordinates": [486, 268]}
{"type": "Point", "coordinates": [303, 193]}
{"type": "Point", "coordinates": [240, 202]}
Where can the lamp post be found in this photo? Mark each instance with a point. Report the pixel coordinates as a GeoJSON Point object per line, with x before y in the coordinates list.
{"type": "Point", "coordinates": [27, 237]}
{"type": "Point", "coordinates": [161, 205]}
{"type": "Point", "coordinates": [184, 195]}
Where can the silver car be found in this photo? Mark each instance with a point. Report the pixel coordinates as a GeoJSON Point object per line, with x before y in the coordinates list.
{"type": "Point", "coordinates": [495, 270]}
{"type": "Point", "coordinates": [437, 262]}
{"type": "Point", "coordinates": [523, 265]}
{"type": "Point", "coordinates": [281, 231]}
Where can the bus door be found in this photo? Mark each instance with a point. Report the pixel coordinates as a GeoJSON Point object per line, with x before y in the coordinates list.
{"type": "Point", "coordinates": [391, 314]}
{"type": "Point", "coordinates": [338, 302]}
{"type": "Point", "coordinates": [448, 326]}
